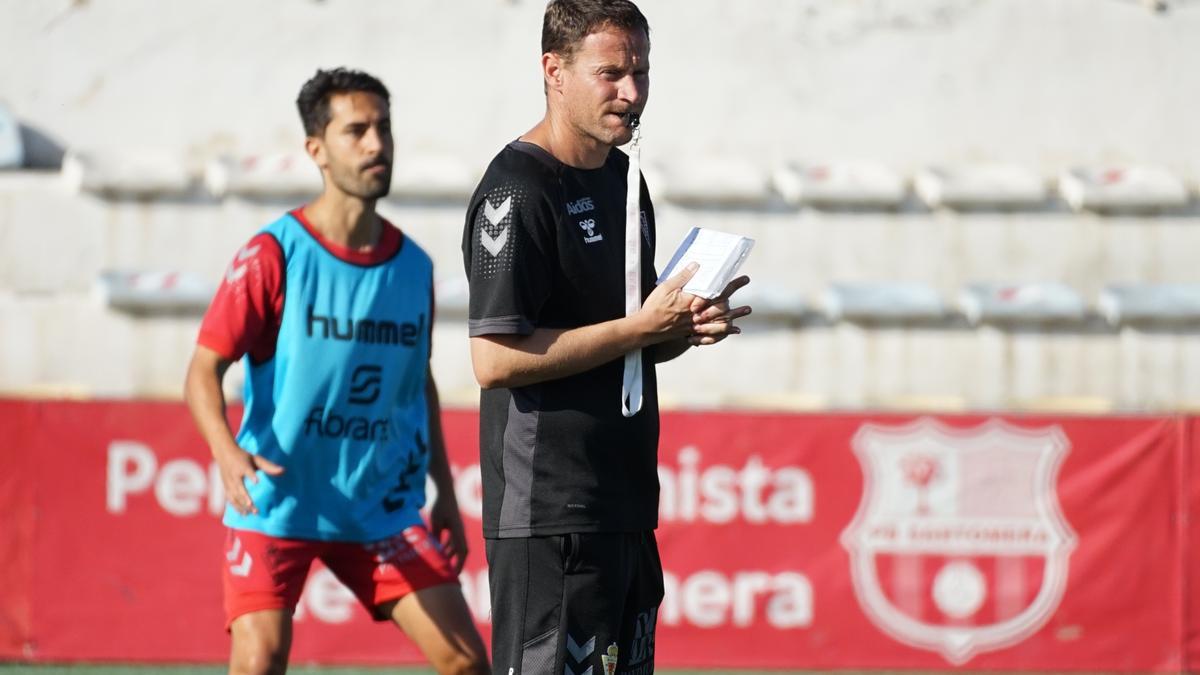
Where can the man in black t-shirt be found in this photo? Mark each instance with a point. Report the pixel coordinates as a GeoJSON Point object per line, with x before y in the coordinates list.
{"type": "Point", "coordinates": [570, 481]}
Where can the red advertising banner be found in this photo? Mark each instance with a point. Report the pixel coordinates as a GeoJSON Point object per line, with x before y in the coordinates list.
{"type": "Point", "coordinates": [1189, 527]}
{"type": "Point", "coordinates": [789, 541]}
{"type": "Point", "coordinates": [894, 542]}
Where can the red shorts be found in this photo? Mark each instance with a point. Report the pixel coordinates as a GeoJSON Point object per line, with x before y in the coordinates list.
{"type": "Point", "coordinates": [265, 572]}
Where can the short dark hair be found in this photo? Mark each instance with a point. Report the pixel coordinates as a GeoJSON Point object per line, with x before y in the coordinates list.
{"type": "Point", "coordinates": [567, 22]}
{"type": "Point", "coordinates": [313, 100]}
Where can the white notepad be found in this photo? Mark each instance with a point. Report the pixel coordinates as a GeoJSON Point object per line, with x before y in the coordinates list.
{"type": "Point", "coordinates": [719, 255]}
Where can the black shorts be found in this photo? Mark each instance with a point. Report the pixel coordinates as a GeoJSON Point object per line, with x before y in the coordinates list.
{"type": "Point", "coordinates": [566, 603]}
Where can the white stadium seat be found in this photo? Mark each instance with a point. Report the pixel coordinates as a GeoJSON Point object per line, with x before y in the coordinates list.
{"type": "Point", "coordinates": [1126, 303]}
{"type": "Point", "coordinates": [143, 173]}
{"type": "Point", "coordinates": [715, 181]}
{"type": "Point", "coordinates": [271, 175]}
{"type": "Point", "coordinates": [150, 292]}
{"type": "Point", "coordinates": [1117, 188]}
{"type": "Point", "coordinates": [847, 183]}
{"type": "Point", "coordinates": [980, 186]}
{"type": "Point", "coordinates": [432, 177]}
{"type": "Point", "coordinates": [882, 301]}
{"type": "Point", "coordinates": [772, 300]}
{"type": "Point", "coordinates": [1020, 302]}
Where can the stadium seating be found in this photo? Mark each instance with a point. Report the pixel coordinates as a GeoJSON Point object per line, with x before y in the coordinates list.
{"type": "Point", "coordinates": [985, 186]}
{"type": "Point", "coordinates": [1024, 302]}
{"type": "Point", "coordinates": [954, 236]}
{"type": "Point", "coordinates": [849, 183]}
{"type": "Point", "coordinates": [155, 292]}
{"type": "Point", "coordinates": [1122, 188]}
{"type": "Point", "coordinates": [127, 174]}
{"type": "Point", "coordinates": [886, 301]}
{"type": "Point", "coordinates": [12, 152]}
{"type": "Point", "coordinates": [1156, 303]}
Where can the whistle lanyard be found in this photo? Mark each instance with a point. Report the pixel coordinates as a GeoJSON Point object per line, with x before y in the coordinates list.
{"type": "Point", "coordinates": [631, 381]}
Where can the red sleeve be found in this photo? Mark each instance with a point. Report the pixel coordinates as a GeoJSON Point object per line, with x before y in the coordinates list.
{"type": "Point", "coordinates": [245, 313]}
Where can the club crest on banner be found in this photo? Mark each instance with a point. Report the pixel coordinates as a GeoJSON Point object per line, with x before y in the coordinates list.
{"type": "Point", "coordinates": [959, 544]}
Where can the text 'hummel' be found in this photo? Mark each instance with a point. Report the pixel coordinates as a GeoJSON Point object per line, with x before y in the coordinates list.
{"type": "Point", "coordinates": [366, 331]}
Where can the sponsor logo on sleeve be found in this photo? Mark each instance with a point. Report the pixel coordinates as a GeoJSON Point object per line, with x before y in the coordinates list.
{"type": "Point", "coordinates": [237, 269]}
{"type": "Point", "coordinates": [495, 215]}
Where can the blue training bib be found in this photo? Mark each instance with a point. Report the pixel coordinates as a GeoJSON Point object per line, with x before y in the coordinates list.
{"type": "Point", "coordinates": [341, 406]}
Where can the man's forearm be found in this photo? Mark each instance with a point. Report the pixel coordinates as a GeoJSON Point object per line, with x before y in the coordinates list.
{"type": "Point", "coordinates": [551, 353]}
{"type": "Point", "coordinates": [206, 400]}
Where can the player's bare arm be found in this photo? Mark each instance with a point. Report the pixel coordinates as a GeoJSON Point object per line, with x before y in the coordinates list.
{"type": "Point", "coordinates": [206, 401]}
{"type": "Point", "coordinates": [550, 354]}
{"type": "Point", "coordinates": [445, 520]}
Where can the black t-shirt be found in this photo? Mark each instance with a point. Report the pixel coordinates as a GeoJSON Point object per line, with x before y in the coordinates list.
{"type": "Point", "coordinates": [544, 247]}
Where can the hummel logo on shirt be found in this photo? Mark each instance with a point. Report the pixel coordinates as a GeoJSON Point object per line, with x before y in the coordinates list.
{"type": "Point", "coordinates": [495, 215]}
{"type": "Point", "coordinates": [589, 226]}
{"type": "Point", "coordinates": [237, 271]}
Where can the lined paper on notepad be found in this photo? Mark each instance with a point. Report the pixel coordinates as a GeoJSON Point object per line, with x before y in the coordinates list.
{"type": "Point", "coordinates": [719, 255]}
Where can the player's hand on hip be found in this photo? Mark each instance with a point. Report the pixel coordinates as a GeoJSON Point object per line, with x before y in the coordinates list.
{"type": "Point", "coordinates": [667, 311]}
{"type": "Point", "coordinates": [237, 466]}
{"type": "Point", "coordinates": [446, 525]}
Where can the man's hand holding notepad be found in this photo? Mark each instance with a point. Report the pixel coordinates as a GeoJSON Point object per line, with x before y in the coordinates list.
{"type": "Point", "coordinates": [719, 255]}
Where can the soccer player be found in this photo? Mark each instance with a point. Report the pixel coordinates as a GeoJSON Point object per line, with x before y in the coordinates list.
{"type": "Point", "coordinates": [331, 307]}
{"type": "Point", "coordinates": [570, 482]}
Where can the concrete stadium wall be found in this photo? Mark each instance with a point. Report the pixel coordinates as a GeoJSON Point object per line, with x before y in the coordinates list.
{"type": "Point", "coordinates": [1044, 85]}
{"type": "Point", "coordinates": [908, 82]}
